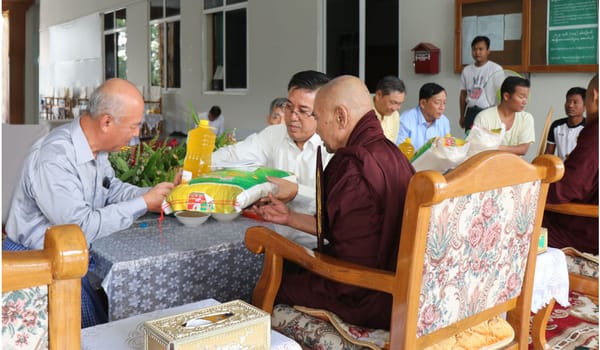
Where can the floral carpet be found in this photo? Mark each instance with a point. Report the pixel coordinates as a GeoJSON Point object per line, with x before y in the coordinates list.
{"type": "Point", "coordinates": [575, 327]}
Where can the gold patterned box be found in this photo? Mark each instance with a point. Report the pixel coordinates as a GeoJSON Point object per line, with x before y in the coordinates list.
{"type": "Point", "coordinates": [231, 325]}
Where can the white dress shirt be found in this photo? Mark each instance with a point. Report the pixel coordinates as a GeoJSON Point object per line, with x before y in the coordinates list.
{"type": "Point", "coordinates": [273, 148]}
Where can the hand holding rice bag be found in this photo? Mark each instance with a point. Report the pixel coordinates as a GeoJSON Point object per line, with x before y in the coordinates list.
{"type": "Point", "coordinates": [224, 191]}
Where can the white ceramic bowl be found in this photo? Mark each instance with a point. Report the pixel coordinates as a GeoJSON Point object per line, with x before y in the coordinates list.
{"type": "Point", "coordinates": [225, 217]}
{"type": "Point", "coordinates": [191, 218]}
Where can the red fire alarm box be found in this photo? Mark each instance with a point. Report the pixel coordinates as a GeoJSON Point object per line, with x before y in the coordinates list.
{"type": "Point", "coordinates": [426, 58]}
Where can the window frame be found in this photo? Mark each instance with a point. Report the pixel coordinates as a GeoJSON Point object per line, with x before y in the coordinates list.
{"type": "Point", "coordinates": [115, 31]}
{"type": "Point", "coordinates": [362, 38]}
{"type": "Point", "coordinates": [223, 9]}
{"type": "Point", "coordinates": [164, 62]}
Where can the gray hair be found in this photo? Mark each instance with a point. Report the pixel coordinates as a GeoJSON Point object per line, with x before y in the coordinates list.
{"type": "Point", "coordinates": [279, 102]}
{"type": "Point", "coordinates": [102, 102]}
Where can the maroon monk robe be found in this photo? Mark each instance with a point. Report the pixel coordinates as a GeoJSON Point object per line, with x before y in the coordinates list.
{"type": "Point", "coordinates": [580, 185]}
{"type": "Point", "coordinates": [365, 186]}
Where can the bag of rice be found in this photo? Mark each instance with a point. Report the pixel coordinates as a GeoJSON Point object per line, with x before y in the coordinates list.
{"type": "Point", "coordinates": [441, 154]}
{"type": "Point", "coordinates": [224, 191]}
{"type": "Point", "coordinates": [482, 139]}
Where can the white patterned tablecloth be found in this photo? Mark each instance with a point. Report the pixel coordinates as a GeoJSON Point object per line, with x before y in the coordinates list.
{"type": "Point", "coordinates": [144, 268]}
{"type": "Point", "coordinates": [551, 279]}
{"type": "Point", "coordinates": [128, 333]}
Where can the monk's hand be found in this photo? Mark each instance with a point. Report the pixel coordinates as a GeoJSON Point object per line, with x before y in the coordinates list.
{"type": "Point", "coordinates": [286, 190]}
{"type": "Point", "coordinates": [272, 209]}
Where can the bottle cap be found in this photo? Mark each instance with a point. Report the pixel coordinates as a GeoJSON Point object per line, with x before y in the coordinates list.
{"type": "Point", "coordinates": [203, 122]}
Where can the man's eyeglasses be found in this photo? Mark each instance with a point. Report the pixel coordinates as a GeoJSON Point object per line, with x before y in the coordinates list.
{"type": "Point", "coordinates": [301, 113]}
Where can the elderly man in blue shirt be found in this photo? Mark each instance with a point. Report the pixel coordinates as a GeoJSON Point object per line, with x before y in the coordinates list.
{"type": "Point", "coordinates": [427, 119]}
{"type": "Point", "coordinates": [67, 179]}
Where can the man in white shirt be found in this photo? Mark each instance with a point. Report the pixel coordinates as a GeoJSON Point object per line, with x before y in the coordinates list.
{"type": "Point", "coordinates": [519, 126]}
{"type": "Point", "coordinates": [563, 134]}
{"type": "Point", "coordinates": [291, 146]}
{"type": "Point", "coordinates": [479, 82]}
{"type": "Point", "coordinates": [215, 119]}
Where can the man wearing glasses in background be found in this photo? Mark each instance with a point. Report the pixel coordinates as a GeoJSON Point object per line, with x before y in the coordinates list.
{"type": "Point", "coordinates": [291, 146]}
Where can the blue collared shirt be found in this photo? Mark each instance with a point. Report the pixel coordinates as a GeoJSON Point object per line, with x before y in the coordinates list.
{"type": "Point", "coordinates": [414, 125]}
{"type": "Point", "coordinates": [62, 183]}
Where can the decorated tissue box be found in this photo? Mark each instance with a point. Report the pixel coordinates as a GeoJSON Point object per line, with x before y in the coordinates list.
{"type": "Point", "coordinates": [543, 242]}
{"type": "Point", "coordinates": [231, 325]}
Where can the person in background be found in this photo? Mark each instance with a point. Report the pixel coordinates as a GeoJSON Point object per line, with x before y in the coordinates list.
{"type": "Point", "coordinates": [215, 119]}
{"type": "Point", "coordinates": [364, 185]}
{"type": "Point", "coordinates": [427, 119]}
{"type": "Point", "coordinates": [563, 134]}
{"type": "Point", "coordinates": [578, 185]}
{"type": "Point", "coordinates": [67, 179]}
{"type": "Point", "coordinates": [291, 146]}
{"type": "Point", "coordinates": [520, 130]}
{"type": "Point", "coordinates": [474, 78]}
{"type": "Point", "coordinates": [390, 93]}
{"type": "Point", "coordinates": [276, 111]}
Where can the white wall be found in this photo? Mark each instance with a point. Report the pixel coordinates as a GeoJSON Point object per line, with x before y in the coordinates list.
{"type": "Point", "coordinates": [285, 36]}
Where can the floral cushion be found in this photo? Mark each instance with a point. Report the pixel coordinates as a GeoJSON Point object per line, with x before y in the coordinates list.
{"type": "Point", "coordinates": [310, 332]}
{"type": "Point", "coordinates": [313, 329]}
{"type": "Point", "coordinates": [476, 253]}
{"type": "Point", "coordinates": [581, 263]}
{"type": "Point", "coordinates": [25, 319]}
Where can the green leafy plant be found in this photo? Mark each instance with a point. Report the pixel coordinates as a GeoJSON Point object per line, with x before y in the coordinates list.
{"type": "Point", "coordinates": [148, 163]}
{"type": "Point", "coordinates": [225, 139]}
{"type": "Point", "coordinates": [155, 161]}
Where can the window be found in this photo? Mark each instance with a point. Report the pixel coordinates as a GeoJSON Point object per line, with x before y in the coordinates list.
{"type": "Point", "coordinates": [115, 44]}
{"type": "Point", "coordinates": [364, 41]}
{"type": "Point", "coordinates": [226, 44]}
{"type": "Point", "coordinates": [165, 43]}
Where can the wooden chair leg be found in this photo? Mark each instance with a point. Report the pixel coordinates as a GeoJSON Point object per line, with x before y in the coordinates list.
{"type": "Point", "coordinates": [538, 328]}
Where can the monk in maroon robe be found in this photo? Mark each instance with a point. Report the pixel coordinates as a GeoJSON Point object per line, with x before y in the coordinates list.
{"type": "Point", "coordinates": [365, 185]}
{"type": "Point", "coordinates": [579, 184]}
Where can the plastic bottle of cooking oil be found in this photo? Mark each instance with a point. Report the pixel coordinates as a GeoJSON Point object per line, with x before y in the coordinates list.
{"type": "Point", "coordinates": [200, 145]}
{"type": "Point", "coordinates": [407, 148]}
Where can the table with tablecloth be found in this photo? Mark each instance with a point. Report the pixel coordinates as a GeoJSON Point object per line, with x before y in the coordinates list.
{"type": "Point", "coordinates": [153, 265]}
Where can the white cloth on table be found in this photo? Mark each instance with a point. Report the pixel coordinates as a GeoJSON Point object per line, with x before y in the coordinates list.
{"type": "Point", "coordinates": [128, 333]}
{"type": "Point", "coordinates": [551, 279]}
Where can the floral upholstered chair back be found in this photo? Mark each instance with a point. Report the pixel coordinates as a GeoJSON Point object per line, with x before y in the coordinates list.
{"type": "Point", "coordinates": [41, 292]}
{"type": "Point", "coordinates": [25, 319]}
{"type": "Point", "coordinates": [476, 253]}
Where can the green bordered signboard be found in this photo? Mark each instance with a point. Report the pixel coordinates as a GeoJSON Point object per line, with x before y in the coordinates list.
{"type": "Point", "coordinates": [572, 32]}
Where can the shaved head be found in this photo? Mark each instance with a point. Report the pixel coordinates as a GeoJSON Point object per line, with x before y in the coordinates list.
{"type": "Point", "coordinates": [339, 105]}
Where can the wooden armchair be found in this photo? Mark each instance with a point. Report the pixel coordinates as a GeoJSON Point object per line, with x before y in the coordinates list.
{"type": "Point", "coordinates": [579, 281]}
{"type": "Point", "coordinates": [42, 291]}
{"type": "Point", "coordinates": [464, 254]}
